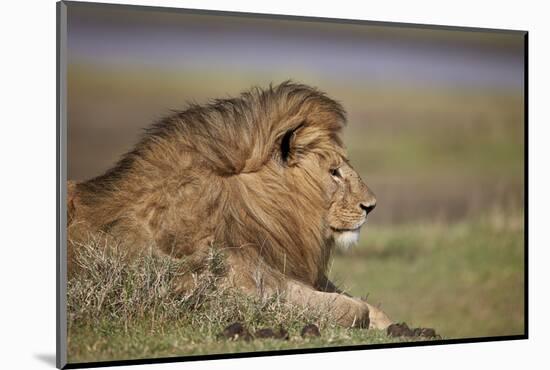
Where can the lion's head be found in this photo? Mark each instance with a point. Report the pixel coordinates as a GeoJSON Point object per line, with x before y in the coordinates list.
{"type": "Point", "coordinates": [264, 175]}
{"type": "Point", "coordinates": [351, 202]}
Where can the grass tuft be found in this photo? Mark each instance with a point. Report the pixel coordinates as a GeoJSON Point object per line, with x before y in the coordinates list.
{"type": "Point", "coordinates": [121, 307]}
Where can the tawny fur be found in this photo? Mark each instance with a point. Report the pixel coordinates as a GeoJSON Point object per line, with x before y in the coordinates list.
{"type": "Point", "coordinates": [253, 176]}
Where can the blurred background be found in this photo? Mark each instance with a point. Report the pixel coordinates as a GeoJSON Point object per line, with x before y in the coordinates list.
{"type": "Point", "coordinates": [436, 129]}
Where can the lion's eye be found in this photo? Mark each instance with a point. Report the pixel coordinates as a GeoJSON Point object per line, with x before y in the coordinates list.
{"type": "Point", "coordinates": [335, 172]}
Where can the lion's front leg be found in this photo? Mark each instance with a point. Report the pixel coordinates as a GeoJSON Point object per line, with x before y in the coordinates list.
{"type": "Point", "coordinates": [345, 310]}
{"type": "Point", "coordinates": [378, 319]}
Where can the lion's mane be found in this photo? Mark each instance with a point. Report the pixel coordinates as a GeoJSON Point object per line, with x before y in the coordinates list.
{"type": "Point", "coordinates": [240, 174]}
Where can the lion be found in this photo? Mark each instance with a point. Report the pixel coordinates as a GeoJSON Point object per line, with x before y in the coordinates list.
{"type": "Point", "coordinates": [263, 177]}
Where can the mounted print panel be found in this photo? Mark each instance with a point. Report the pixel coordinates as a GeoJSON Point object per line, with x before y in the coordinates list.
{"type": "Point", "coordinates": [237, 184]}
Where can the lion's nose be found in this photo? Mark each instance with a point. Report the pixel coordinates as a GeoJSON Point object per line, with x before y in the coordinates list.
{"type": "Point", "coordinates": [367, 207]}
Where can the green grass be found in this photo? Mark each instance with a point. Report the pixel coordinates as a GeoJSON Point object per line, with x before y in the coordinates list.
{"type": "Point", "coordinates": [178, 338]}
{"type": "Point", "coordinates": [464, 280]}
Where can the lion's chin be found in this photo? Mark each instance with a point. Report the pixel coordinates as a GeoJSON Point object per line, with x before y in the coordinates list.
{"type": "Point", "coordinates": [346, 239]}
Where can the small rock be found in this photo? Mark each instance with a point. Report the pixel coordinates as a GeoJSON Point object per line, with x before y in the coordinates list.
{"type": "Point", "coordinates": [399, 330]}
{"type": "Point", "coordinates": [236, 331]}
{"type": "Point", "coordinates": [310, 330]}
{"type": "Point", "coordinates": [402, 330]}
{"type": "Point", "coordinates": [425, 332]}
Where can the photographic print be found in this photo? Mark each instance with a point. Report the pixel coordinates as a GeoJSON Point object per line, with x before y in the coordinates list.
{"type": "Point", "coordinates": [237, 184]}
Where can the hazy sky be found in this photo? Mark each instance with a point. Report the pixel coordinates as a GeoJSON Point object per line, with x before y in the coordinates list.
{"type": "Point", "coordinates": [124, 37]}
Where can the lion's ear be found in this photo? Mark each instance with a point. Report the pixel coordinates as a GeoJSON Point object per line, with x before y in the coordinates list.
{"type": "Point", "coordinates": [288, 146]}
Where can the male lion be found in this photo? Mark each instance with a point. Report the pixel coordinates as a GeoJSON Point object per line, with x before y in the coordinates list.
{"type": "Point", "coordinates": [263, 177]}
